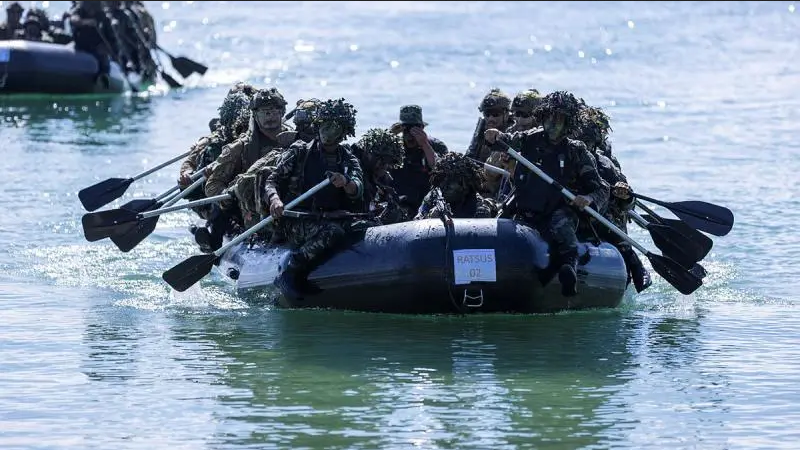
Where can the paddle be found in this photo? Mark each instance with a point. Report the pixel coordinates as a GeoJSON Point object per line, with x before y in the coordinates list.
{"type": "Point", "coordinates": [193, 269]}
{"type": "Point", "coordinates": [127, 227]}
{"type": "Point", "coordinates": [708, 217]}
{"type": "Point", "coordinates": [671, 242]}
{"type": "Point", "coordinates": [183, 65]}
{"type": "Point", "coordinates": [105, 192]}
{"type": "Point", "coordinates": [492, 168]}
{"type": "Point", "coordinates": [699, 239]}
{"type": "Point", "coordinates": [684, 281]}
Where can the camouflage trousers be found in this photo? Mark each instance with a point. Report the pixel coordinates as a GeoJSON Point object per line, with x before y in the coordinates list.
{"type": "Point", "coordinates": [312, 239]}
{"type": "Point", "coordinates": [558, 229]}
{"type": "Point", "coordinates": [605, 234]}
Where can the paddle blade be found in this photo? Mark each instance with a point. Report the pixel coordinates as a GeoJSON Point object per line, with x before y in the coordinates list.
{"type": "Point", "coordinates": [103, 193]}
{"type": "Point", "coordinates": [712, 219]}
{"type": "Point", "coordinates": [134, 235]}
{"type": "Point", "coordinates": [701, 242]}
{"type": "Point", "coordinates": [674, 245]}
{"type": "Point", "coordinates": [681, 279]}
{"type": "Point", "coordinates": [172, 82]}
{"type": "Point", "coordinates": [190, 271]}
{"type": "Point", "coordinates": [103, 224]}
{"type": "Point", "coordinates": [186, 66]}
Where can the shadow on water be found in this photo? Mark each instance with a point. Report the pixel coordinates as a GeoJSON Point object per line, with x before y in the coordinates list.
{"type": "Point", "coordinates": [92, 120]}
{"type": "Point", "coordinates": [344, 379]}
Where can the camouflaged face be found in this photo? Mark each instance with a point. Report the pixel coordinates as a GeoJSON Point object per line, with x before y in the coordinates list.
{"type": "Point", "coordinates": [457, 166]}
{"type": "Point", "coordinates": [593, 126]}
{"type": "Point", "coordinates": [495, 99]}
{"type": "Point", "coordinates": [560, 102]}
{"type": "Point", "coordinates": [526, 101]}
{"type": "Point", "coordinates": [383, 145]}
{"type": "Point", "coordinates": [232, 107]}
{"type": "Point", "coordinates": [340, 112]}
{"type": "Point", "coordinates": [267, 98]}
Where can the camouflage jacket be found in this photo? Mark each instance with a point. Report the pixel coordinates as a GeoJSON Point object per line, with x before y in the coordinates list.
{"type": "Point", "coordinates": [246, 188]}
{"type": "Point", "coordinates": [474, 207]}
{"type": "Point", "coordinates": [236, 158]}
{"type": "Point", "coordinates": [203, 152]}
{"type": "Point", "coordinates": [578, 168]}
{"type": "Point", "coordinates": [617, 209]}
{"type": "Point", "coordinates": [287, 180]}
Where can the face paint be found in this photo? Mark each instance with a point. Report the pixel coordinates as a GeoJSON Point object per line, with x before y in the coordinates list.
{"type": "Point", "coordinates": [330, 132]}
{"type": "Point", "coordinates": [496, 118]}
{"type": "Point", "coordinates": [554, 126]}
{"type": "Point", "coordinates": [268, 118]}
{"type": "Point", "coordinates": [453, 191]}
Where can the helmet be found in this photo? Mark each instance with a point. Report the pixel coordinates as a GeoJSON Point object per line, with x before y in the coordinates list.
{"type": "Point", "coordinates": [593, 126]}
{"type": "Point", "coordinates": [304, 112]}
{"type": "Point", "coordinates": [495, 99]}
{"type": "Point", "coordinates": [383, 145]}
{"type": "Point", "coordinates": [340, 112]}
{"type": "Point", "coordinates": [559, 102]}
{"type": "Point", "coordinates": [456, 165]}
{"type": "Point", "coordinates": [232, 107]}
{"type": "Point", "coordinates": [526, 101]}
{"type": "Point", "coordinates": [267, 98]}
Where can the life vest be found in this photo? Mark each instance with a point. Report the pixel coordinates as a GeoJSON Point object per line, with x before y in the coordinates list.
{"type": "Point", "coordinates": [534, 195]}
{"type": "Point", "coordinates": [330, 198]}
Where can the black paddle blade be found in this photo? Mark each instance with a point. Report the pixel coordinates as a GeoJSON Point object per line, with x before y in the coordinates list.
{"type": "Point", "coordinates": [134, 235]}
{"type": "Point", "coordinates": [681, 279]}
{"type": "Point", "coordinates": [702, 242]}
{"type": "Point", "coordinates": [190, 271]}
{"type": "Point", "coordinates": [103, 224]}
{"type": "Point", "coordinates": [172, 82]}
{"type": "Point", "coordinates": [675, 245]}
{"type": "Point", "coordinates": [712, 219]}
{"type": "Point", "coordinates": [103, 193]}
{"type": "Point", "coordinates": [186, 66]}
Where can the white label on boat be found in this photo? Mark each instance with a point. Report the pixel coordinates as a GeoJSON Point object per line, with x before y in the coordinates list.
{"type": "Point", "coordinates": [5, 54]}
{"type": "Point", "coordinates": [474, 265]}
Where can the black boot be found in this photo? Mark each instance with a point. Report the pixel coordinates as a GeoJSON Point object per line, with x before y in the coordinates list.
{"type": "Point", "coordinates": [203, 238]}
{"type": "Point", "coordinates": [568, 276]}
{"type": "Point", "coordinates": [639, 274]}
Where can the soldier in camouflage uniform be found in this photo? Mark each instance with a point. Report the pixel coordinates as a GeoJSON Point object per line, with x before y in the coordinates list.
{"type": "Point", "coordinates": [379, 151]}
{"type": "Point", "coordinates": [522, 112]}
{"type": "Point", "coordinates": [569, 163]}
{"type": "Point", "coordinates": [317, 231]}
{"type": "Point", "coordinates": [496, 110]}
{"type": "Point", "coordinates": [13, 24]}
{"type": "Point", "coordinates": [412, 180]}
{"type": "Point", "coordinates": [456, 181]}
{"type": "Point", "coordinates": [303, 115]}
{"type": "Point", "coordinates": [593, 125]}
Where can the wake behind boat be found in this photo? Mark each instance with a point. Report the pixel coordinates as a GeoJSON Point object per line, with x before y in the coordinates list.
{"type": "Point", "coordinates": [426, 267]}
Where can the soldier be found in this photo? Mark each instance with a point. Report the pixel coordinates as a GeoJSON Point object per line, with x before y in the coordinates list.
{"type": "Point", "coordinates": [594, 122]}
{"type": "Point", "coordinates": [522, 112]}
{"type": "Point", "coordinates": [91, 32]}
{"type": "Point", "coordinates": [303, 115]}
{"type": "Point", "coordinates": [569, 163]}
{"type": "Point", "coordinates": [379, 151]}
{"type": "Point", "coordinates": [13, 24]}
{"type": "Point", "coordinates": [456, 181]}
{"type": "Point", "coordinates": [495, 107]}
{"type": "Point", "coordinates": [317, 230]}
{"type": "Point", "coordinates": [412, 180]}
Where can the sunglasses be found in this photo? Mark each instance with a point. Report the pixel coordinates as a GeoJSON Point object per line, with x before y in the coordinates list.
{"type": "Point", "coordinates": [522, 114]}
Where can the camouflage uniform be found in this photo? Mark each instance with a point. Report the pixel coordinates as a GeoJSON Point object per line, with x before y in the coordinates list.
{"type": "Point", "coordinates": [380, 147]}
{"type": "Point", "coordinates": [456, 168]}
{"type": "Point", "coordinates": [494, 100]}
{"type": "Point", "coordinates": [301, 167]}
{"type": "Point", "coordinates": [238, 156]}
{"type": "Point", "coordinates": [569, 163]}
{"type": "Point", "coordinates": [303, 116]}
{"type": "Point", "coordinates": [411, 180]}
{"type": "Point", "coordinates": [524, 103]}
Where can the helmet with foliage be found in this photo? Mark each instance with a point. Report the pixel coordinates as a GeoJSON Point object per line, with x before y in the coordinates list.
{"type": "Point", "coordinates": [380, 144]}
{"type": "Point", "coordinates": [593, 126]}
{"type": "Point", "coordinates": [304, 111]}
{"type": "Point", "coordinates": [459, 167]}
{"type": "Point", "coordinates": [340, 112]}
{"type": "Point", "coordinates": [267, 98]}
{"type": "Point", "coordinates": [561, 102]}
{"type": "Point", "coordinates": [526, 101]}
{"type": "Point", "coordinates": [495, 99]}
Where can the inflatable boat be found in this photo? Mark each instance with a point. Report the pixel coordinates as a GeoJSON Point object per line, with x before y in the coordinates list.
{"type": "Point", "coordinates": [28, 67]}
{"type": "Point", "coordinates": [437, 267]}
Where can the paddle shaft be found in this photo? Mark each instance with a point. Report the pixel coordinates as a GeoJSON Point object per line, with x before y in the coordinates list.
{"type": "Point", "coordinates": [648, 211]}
{"type": "Point", "coordinates": [254, 229]}
{"type": "Point", "coordinates": [160, 166]}
{"type": "Point", "coordinates": [492, 168]}
{"type": "Point", "coordinates": [677, 208]}
{"type": "Point", "coordinates": [638, 219]}
{"type": "Point", "coordinates": [524, 161]}
{"type": "Point", "coordinates": [167, 193]}
{"type": "Point", "coordinates": [170, 208]}
{"type": "Point", "coordinates": [197, 183]}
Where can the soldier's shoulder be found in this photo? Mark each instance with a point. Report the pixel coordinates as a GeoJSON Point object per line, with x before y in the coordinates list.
{"type": "Point", "coordinates": [438, 145]}
{"type": "Point", "coordinates": [286, 138]}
